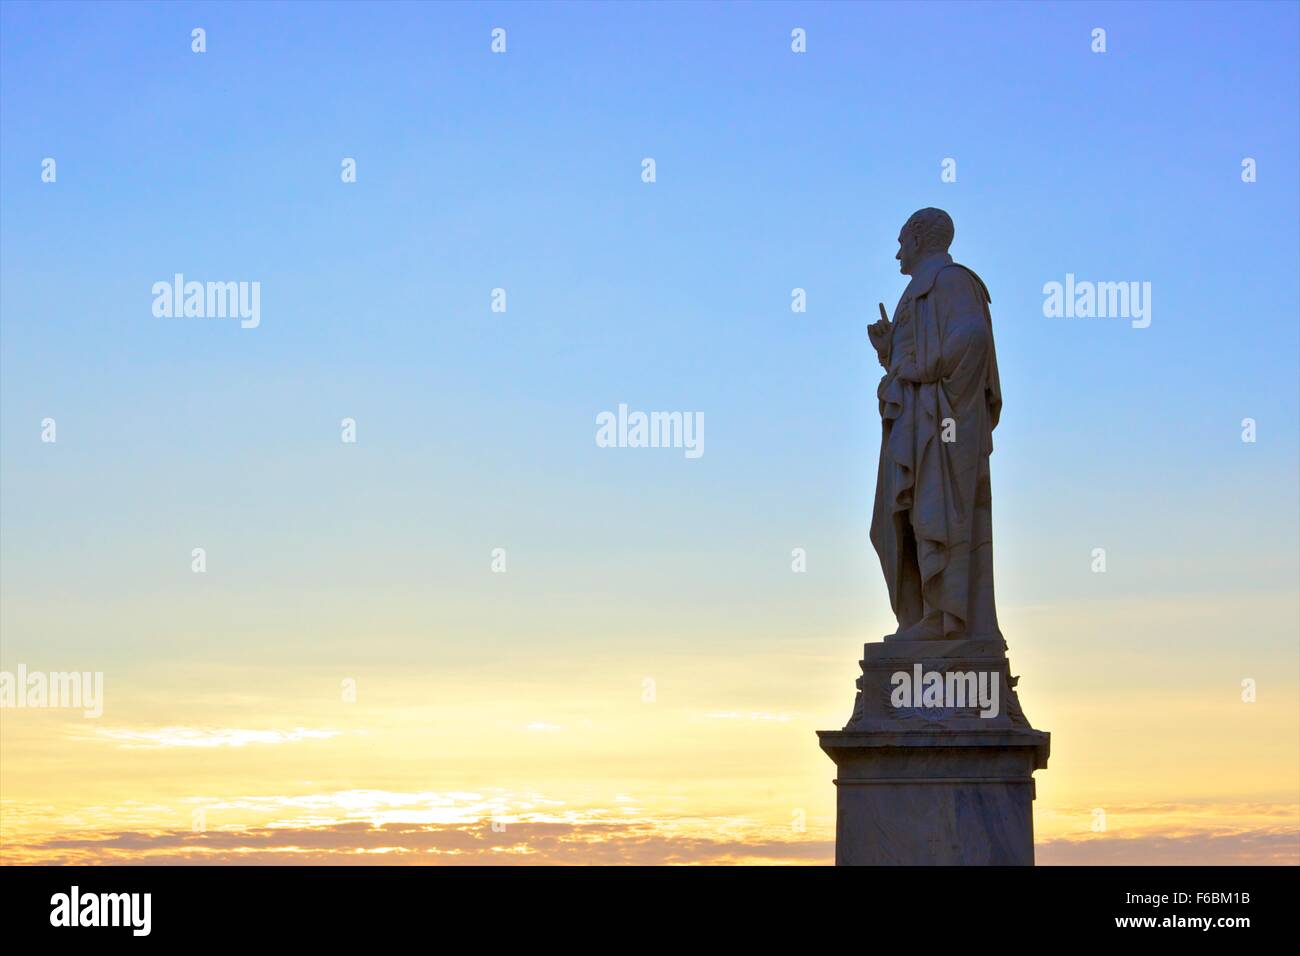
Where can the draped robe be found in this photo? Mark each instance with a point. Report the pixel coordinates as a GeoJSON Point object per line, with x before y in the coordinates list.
{"type": "Point", "coordinates": [932, 521]}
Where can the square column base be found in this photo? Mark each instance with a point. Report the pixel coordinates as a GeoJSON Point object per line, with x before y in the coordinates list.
{"type": "Point", "coordinates": [935, 799]}
{"type": "Point", "coordinates": [929, 782]}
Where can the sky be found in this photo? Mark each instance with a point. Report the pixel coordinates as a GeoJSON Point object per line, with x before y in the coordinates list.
{"type": "Point", "coordinates": [353, 677]}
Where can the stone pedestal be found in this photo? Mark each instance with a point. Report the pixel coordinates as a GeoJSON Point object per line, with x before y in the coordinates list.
{"type": "Point", "coordinates": [924, 779]}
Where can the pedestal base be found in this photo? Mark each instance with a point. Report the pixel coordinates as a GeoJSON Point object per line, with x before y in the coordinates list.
{"type": "Point", "coordinates": [926, 783]}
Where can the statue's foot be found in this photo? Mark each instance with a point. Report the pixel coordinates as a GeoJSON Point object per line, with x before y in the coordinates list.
{"type": "Point", "coordinates": [922, 630]}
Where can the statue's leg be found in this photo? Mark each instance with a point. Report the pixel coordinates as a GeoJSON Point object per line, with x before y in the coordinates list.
{"type": "Point", "coordinates": [911, 606]}
{"type": "Point", "coordinates": [983, 611]}
{"type": "Point", "coordinates": [916, 621]}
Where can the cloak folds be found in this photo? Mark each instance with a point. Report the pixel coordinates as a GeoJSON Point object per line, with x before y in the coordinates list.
{"type": "Point", "coordinates": [939, 403]}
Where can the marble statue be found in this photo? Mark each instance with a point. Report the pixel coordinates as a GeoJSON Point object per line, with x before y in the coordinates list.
{"type": "Point", "coordinates": [939, 403]}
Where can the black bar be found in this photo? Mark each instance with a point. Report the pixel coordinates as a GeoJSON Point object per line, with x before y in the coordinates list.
{"type": "Point", "coordinates": [327, 905]}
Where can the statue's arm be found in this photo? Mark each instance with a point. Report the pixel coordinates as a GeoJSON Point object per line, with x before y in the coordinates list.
{"type": "Point", "coordinates": [908, 369]}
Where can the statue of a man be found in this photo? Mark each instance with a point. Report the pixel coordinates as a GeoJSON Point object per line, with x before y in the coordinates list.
{"type": "Point", "coordinates": [939, 402]}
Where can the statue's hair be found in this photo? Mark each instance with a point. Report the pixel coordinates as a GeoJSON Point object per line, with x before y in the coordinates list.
{"type": "Point", "coordinates": [934, 226]}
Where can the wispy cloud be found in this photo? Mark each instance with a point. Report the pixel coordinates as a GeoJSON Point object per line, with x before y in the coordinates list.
{"type": "Point", "coordinates": [753, 715]}
{"type": "Point", "coordinates": [501, 827]}
{"type": "Point", "coordinates": [1271, 846]}
{"type": "Point", "coordinates": [200, 737]}
{"type": "Point", "coordinates": [378, 826]}
{"type": "Point", "coordinates": [625, 842]}
{"type": "Point", "coordinates": [1175, 834]}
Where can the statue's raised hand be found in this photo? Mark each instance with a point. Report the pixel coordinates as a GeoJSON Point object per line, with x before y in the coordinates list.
{"type": "Point", "coordinates": [879, 333]}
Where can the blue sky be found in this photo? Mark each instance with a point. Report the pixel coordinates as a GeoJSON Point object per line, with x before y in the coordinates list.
{"type": "Point", "coordinates": [521, 171]}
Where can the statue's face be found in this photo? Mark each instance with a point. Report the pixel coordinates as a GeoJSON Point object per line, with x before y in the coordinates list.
{"type": "Point", "coordinates": [909, 250]}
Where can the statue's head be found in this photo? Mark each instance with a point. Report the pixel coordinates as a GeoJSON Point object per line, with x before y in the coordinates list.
{"type": "Point", "coordinates": [926, 232]}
